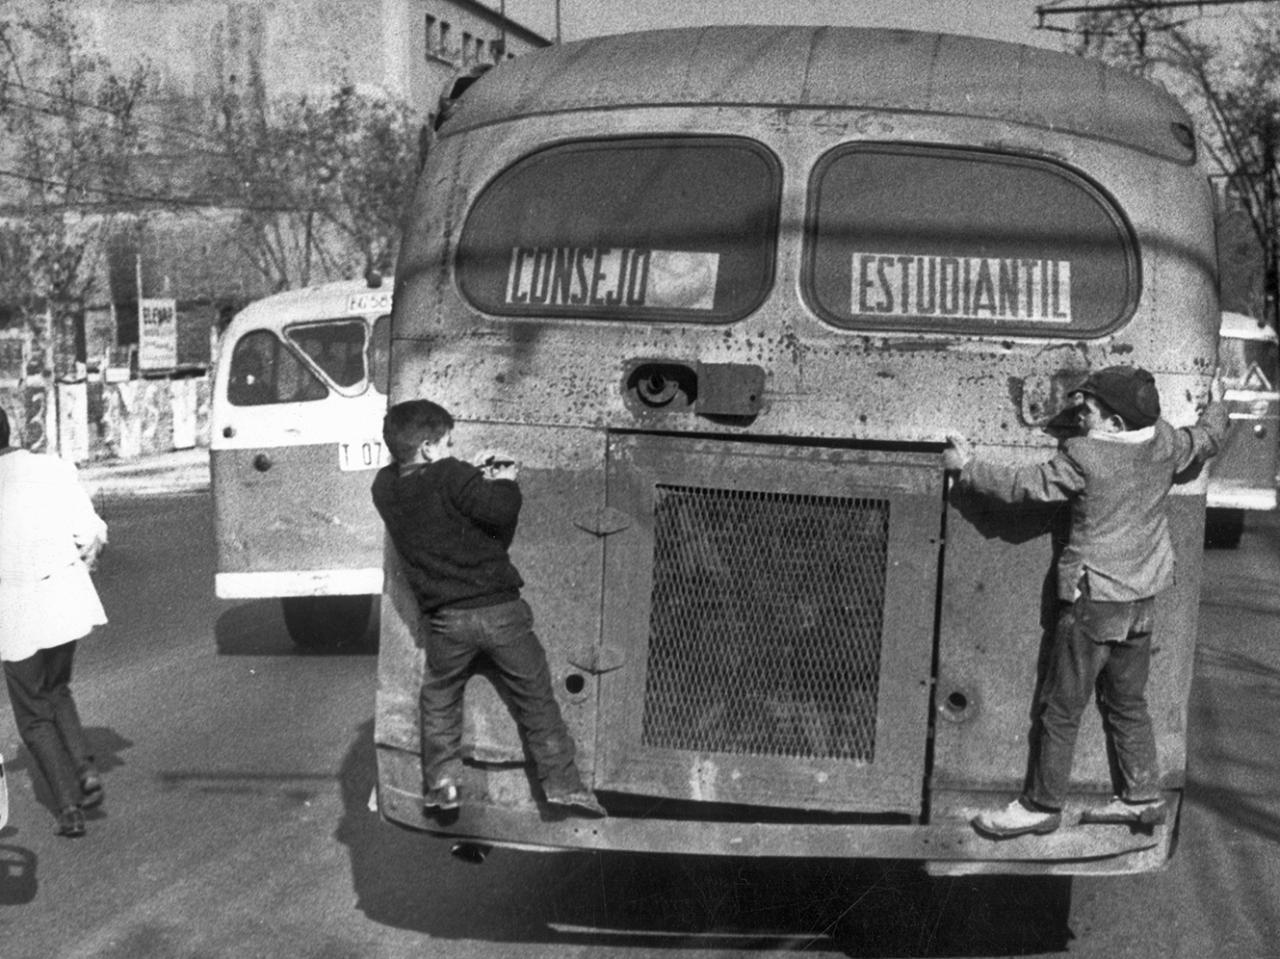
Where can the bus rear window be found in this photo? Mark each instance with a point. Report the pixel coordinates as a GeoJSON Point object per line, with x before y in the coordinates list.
{"type": "Point", "coordinates": [336, 346]}
{"type": "Point", "coordinates": [263, 371]}
{"type": "Point", "coordinates": [679, 228]}
{"type": "Point", "coordinates": [955, 241]}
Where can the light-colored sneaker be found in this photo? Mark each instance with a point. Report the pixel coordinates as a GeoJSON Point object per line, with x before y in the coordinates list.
{"type": "Point", "coordinates": [442, 797]}
{"type": "Point", "coordinates": [1151, 813]}
{"type": "Point", "coordinates": [578, 800]}
{"type": "Point", "coordinates": [1016, 819]}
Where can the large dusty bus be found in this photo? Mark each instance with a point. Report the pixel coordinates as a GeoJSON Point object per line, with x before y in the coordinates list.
{"type": "Point", "coordinates": [300, 388]}
{"type": "Point", "coordinates": [724, 292]}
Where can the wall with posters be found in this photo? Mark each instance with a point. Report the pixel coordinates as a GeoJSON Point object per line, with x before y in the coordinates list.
{"type": "Point", "coordinates": [94, 420]}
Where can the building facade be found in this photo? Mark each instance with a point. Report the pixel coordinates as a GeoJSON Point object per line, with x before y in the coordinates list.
{"type": "Point", "coordinates": [173, 245]}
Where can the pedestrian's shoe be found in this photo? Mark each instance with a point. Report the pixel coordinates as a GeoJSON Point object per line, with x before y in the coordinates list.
{"type": "Point", "coordinates": [1150, 813]}
{"type": "Point", "coordinates": [70, 823]}
{"type": "Point", "coordinates": [1016, 819]}
{"type": "Point", "coordinates": [91, 791]}
{"type": "Point", "coordinates": [442, 797]}
{"type": "Point", "coordinates": [579, 800]}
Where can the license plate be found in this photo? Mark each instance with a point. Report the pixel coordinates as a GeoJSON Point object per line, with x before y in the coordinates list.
{"type": "Point", "coordinates": [362, 455]}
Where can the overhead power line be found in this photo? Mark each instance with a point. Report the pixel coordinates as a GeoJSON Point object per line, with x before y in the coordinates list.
{"type": "Point", "coordinates": [114, 197]}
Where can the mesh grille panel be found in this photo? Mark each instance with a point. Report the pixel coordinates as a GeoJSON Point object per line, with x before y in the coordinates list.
{"type": "Point", "coordinates": [766, 622]}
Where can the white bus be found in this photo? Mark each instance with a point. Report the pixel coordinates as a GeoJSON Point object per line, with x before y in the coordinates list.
{"type": "Point", "coordinates": [299, 394]}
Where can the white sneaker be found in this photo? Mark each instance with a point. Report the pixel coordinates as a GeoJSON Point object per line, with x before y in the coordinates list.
{"type": "Point", "coordinates": [442, 797]}
{"type": "Point", "coordinates": [1151, 813]}
{"type": "Point", "coordinates": [1016, 819]}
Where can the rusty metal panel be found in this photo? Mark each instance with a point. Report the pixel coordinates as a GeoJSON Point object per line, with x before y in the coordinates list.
{"type": "Point", "coordinates": [775, 604]}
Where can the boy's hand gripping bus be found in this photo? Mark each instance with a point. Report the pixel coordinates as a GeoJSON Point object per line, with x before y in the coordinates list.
{"type": "Point", "coordinates": [299, 391]}
{"type": "Point", "coordinates": [724, 292]}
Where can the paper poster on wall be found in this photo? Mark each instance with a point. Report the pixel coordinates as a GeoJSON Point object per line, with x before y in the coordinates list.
{"type": "Point", "coordinates": [14, 349]}
{"type": "Point", "coordinates": [157, 334]}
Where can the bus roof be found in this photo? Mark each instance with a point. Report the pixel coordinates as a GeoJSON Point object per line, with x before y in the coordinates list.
{"type": "Point", "coordinates": [323, 301]}
{"type": "Point", "coordinates": [832, 67]}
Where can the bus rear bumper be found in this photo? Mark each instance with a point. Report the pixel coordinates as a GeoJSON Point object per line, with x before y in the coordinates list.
{"type": "Point", "coordinates": [271, 584]}
{"type": "Point", "coordinates": [950, 847]}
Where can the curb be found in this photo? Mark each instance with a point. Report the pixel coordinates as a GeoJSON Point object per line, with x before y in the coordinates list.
{"type": "Point", "coordinates": [182, 471]}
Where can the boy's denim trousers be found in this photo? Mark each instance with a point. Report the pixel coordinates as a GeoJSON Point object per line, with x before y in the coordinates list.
{"type": "Point", "coordinates": [1104, 647]}
{"type": "Point", "coordinates": [47, 719]}
{"type": "Point", "coordinates": [503, 633]}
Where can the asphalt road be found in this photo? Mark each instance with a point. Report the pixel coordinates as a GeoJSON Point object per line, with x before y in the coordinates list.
{"type": "Point", "coordinates": [239, 771]}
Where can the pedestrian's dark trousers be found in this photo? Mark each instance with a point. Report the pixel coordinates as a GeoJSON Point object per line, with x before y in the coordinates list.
{"type": "Point", "coordinates": [504, 633]}
{"type": "Point", "coordinates": [40, 693]}
{"type": "Point", "coordinates": [1102, 646]}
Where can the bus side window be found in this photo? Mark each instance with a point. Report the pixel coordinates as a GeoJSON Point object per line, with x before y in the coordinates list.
{"type": "Point", "coordinates": [380, 354]}
{"type": "Point", "coordinates": [336, 347]}
{"type": "Point", "coordinates": [263, 372]}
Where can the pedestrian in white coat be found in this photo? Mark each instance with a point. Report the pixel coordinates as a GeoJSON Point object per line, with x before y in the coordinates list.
{"type": "Point", "coordinates": [50, 537]}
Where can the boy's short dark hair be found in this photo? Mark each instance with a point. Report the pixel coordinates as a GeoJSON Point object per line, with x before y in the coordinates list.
{"type": "Point", "coordinates": [409, 424]}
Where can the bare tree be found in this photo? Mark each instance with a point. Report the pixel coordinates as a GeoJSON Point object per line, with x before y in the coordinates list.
{"type": "Point", "coordinates": [318, 183]}
{"type": "Point", "coordinates": [1233, 85]}
{"type": "Point", "coordinates": [66, 165]}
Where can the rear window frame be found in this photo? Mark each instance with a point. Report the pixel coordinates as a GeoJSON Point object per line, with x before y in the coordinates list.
{"type": "Point", "coordinates": [966, 327]}
{"type": "Point", "coordinates": [267, 392]}
{"type": "Point", "coordinates": [360, 387]}
{"type": "Point", "coordinates": [769, 245]}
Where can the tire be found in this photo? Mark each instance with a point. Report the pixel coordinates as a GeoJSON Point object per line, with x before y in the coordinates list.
{"type": "Point", "coordinates": [328, 622]}
{"type": "Point", "coordinates": [1223, 528]}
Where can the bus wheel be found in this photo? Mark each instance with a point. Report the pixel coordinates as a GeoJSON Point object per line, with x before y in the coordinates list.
{"type": "Point", "coordinates": [1223, 528]}
{"type": "Point", "coordinates": [328, 622]}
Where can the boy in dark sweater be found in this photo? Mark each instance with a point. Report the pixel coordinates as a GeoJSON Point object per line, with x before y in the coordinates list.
{"type": "Point", "coordinates": [452, 524]}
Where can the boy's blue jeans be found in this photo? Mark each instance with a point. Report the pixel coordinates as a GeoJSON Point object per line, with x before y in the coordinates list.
{"type": "Point", "coordinates": [503, 633]}
{"type": "Point", "coordinates": [1104, 647]}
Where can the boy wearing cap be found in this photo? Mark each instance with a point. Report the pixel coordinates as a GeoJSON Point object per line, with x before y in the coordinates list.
{"type": "Point", "coordinates": [1116, 474]}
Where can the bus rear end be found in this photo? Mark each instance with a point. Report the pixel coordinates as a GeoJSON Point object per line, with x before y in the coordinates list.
{"type": "Point", "coordinates": [724, 293]}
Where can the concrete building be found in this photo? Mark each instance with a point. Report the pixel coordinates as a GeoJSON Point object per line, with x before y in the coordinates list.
{"type": "Point", "coordinates": [197, 50]}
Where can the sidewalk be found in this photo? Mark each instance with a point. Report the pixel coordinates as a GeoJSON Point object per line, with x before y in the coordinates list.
{"type": "Point", "coordinates": [178, 471]}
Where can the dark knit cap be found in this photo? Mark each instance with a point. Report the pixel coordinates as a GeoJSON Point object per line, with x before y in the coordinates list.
{"type": "Point", "coordinates": [1129, 391]}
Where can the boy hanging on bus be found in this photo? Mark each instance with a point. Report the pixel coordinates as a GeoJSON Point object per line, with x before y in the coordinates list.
{"type": "Point", "coordinates": [452, 524]}
{"type": "Point", "coordinates": [1116, 474]}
